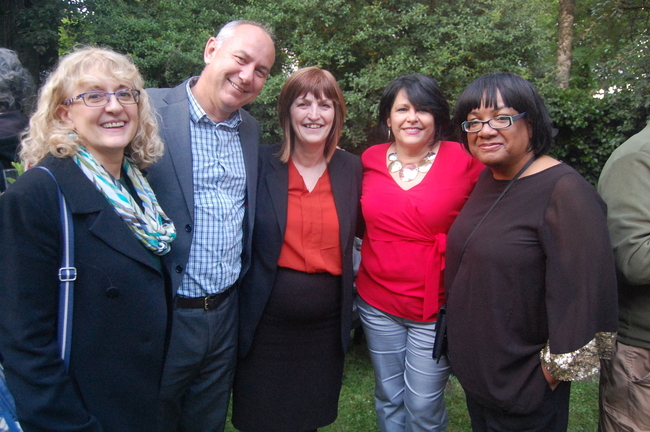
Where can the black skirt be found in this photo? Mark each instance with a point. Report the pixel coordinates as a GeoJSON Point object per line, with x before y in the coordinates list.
{"type": "Point", "coordinates": [291, 378]}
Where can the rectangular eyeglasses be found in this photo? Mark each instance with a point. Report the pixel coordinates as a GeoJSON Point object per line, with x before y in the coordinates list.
{"type": "Point", "coordinates": [98, 98]}
{"type": "Point", "coordinates": [498, 122]}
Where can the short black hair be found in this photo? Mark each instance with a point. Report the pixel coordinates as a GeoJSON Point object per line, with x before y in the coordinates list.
{"type": "Point", "coordinates": [517, 93]}
{"type": "Point", "coordinates": [424, 93]}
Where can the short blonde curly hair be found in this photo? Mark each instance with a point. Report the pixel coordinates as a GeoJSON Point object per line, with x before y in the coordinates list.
{"type": "Point", "coordinates": [48, 134]}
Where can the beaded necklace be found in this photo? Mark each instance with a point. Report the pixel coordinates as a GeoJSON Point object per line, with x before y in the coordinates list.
{"type": "Point", "coordinates": [409, 172]}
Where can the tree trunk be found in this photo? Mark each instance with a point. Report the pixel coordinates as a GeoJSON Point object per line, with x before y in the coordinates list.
{"type": "Point", "coordinates": [8, 12]}
{"type": "Point", "coordinates": [564, 43]}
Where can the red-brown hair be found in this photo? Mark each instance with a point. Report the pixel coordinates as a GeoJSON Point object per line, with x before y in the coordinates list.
{"type": "Point", "coordinates": [321, 84]}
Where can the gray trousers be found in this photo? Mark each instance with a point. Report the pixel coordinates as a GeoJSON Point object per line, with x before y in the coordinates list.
{"type": "Point", "coordinates": [199, 369]}
{"type": "Point", "coordinates": [409, 384]}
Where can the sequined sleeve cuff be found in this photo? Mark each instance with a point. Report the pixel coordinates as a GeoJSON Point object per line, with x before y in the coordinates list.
{"type": "Point", "coordinates": [579, 364]}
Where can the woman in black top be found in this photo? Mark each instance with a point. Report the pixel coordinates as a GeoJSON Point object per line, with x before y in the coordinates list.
{"type": "Point", "coordinates": [531, 298]}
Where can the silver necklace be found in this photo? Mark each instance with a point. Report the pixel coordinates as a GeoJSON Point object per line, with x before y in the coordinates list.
{"type": "Point", "coordinates": [409, 172]}
{"type": "Point", "coordinates": [310, 175]}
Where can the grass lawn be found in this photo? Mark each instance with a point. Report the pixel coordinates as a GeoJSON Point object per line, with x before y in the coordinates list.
{"type": "Point", "coordinates": [356, 404]}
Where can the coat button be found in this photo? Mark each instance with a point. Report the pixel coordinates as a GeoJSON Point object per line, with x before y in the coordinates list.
{"type": "Point", "coordinates": [112, 292]}
{"type": "Point", "coordinates": [188, 228]}
{"type": "Point", "coordinates": [179, 269]}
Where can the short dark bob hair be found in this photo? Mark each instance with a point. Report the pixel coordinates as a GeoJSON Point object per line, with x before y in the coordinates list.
{"type": "Point", "coordinates": [424, 93]}
{"type": "Point", "coordinates": [321, 84]}
{"type": "Point", "coordinates": [518, 94]}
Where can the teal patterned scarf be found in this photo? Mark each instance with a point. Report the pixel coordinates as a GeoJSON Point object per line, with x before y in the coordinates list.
{"type": "Point", "coordinates": [152, 227]}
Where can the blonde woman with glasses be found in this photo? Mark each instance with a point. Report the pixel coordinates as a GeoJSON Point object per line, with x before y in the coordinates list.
{"type": "Point", "coordinates": [93, 130]}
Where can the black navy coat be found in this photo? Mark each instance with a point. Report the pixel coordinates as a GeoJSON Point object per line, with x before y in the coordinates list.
{"type": "Point", "coordinates": [120, 310]}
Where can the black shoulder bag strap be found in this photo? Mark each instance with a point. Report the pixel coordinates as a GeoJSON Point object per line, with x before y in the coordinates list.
{"type": "Point", "coordinates": [440, 342]}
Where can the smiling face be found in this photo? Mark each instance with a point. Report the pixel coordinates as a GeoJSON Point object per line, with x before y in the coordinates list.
{"type": "Point", "coordinates": [312, 119]}
{"type": "Point", "coordinates": [410, 126]}
{"type": "Point", "coordinates": [505, 151]}
{"type": "Point", "coordinates": [104, 131]}
{"type": "Point", "coordinates": [234, 73]}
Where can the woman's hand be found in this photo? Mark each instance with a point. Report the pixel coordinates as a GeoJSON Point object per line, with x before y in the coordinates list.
{"type": "Point", "coordinates": [552, 382]}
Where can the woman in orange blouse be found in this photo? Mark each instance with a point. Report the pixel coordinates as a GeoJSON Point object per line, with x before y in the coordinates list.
{"type": "Point", "coordinates": [296, 300]}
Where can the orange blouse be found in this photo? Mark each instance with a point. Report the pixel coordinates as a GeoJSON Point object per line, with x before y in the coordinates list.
{"type": "Point", "coordinates": [312, 242]}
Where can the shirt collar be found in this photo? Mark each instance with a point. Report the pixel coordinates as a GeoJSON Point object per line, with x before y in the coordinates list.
{"type": "Point", "coordinates": [197, 113]}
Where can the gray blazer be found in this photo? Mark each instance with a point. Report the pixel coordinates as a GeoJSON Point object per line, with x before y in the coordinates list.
{"type": "Point", "coordinates": [172, 180]}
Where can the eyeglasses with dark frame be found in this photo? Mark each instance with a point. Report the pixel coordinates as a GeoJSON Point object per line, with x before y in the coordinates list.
{"type": "Point", "coordinates": [498, 122]}
{"type": "Point", "coordinates": [98, 98]}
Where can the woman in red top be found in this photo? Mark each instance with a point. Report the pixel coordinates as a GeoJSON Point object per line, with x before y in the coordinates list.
{"type": "Point", "coordinates": [413, 188]}
{"type": "Point", "coordinates": [296, 300]}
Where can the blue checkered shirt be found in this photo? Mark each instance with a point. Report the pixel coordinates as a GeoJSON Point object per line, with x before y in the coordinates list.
{"type": "Point", "coordinates": [219, 193]}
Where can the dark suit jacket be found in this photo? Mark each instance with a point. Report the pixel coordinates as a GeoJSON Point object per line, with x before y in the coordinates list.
{"type": "Point", "coordinates": [120, 309]}
{"type": "Point", "coordinates": [172, 176]}
{"type": "Point", "coordinates": [268, 236]}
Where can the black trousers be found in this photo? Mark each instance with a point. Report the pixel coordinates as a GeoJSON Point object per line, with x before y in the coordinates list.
{"type": "Point", "coordinates": [551, 416]}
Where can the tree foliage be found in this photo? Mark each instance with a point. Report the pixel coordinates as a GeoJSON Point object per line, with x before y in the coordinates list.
{"type": "Point", "coordinates": [609, 97]}
{"type": "Point", "coordinates": [368, 43]}
{"type": "Point", "coordinates": [31, 28]}
{"type": "Point", "coordinates": [164, 37]}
